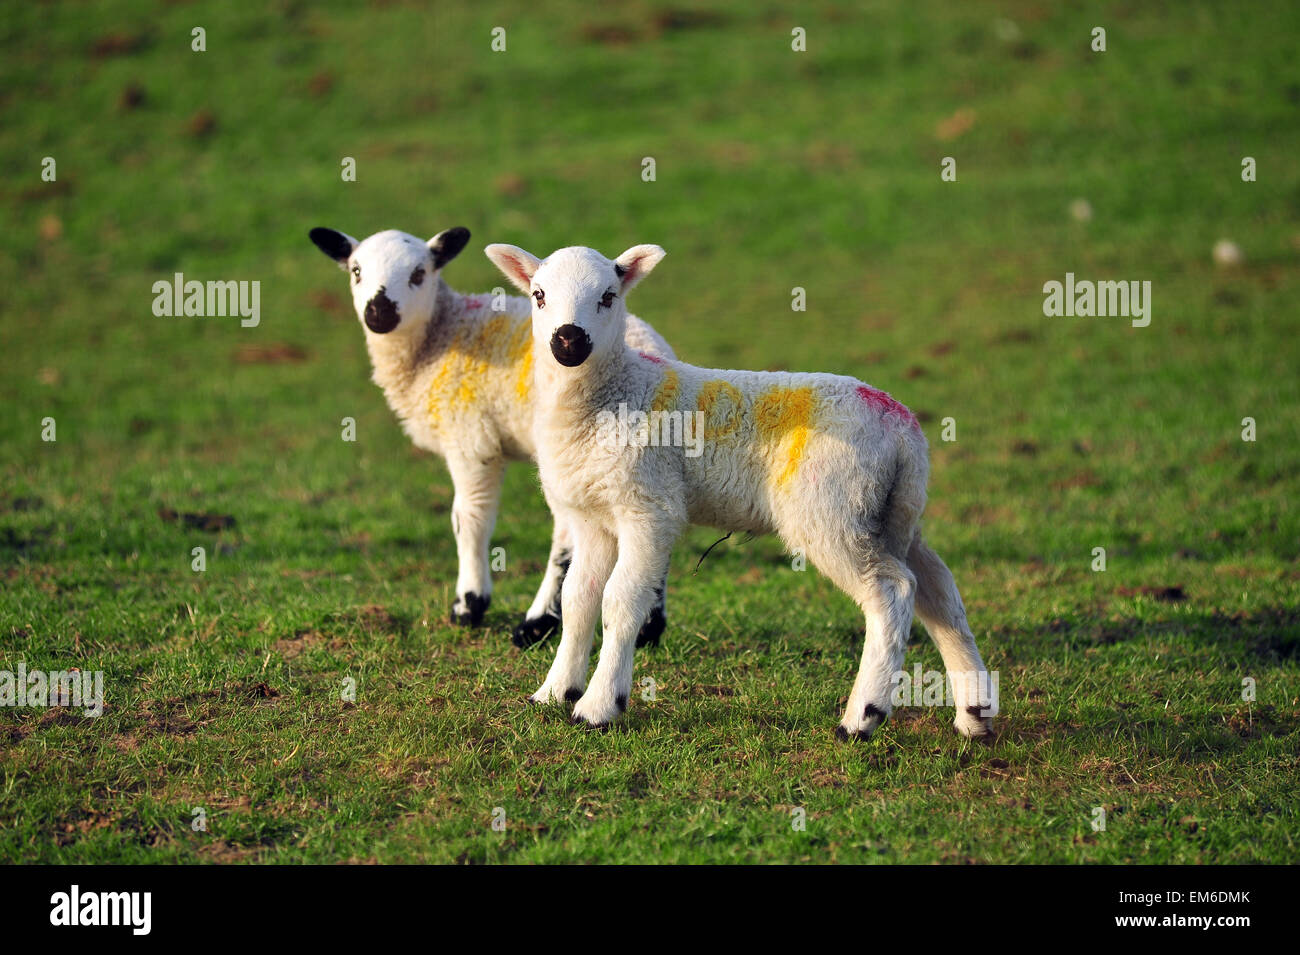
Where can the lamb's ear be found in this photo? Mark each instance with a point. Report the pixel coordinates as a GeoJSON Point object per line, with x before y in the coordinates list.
{"type": "Point", "coordinates": [636, 263]}
{"type": "Point", "coordinates": [446, 245]}
{"type": "Point", "coordinates": [336, 245]}
{"type": "Point", "coordinates": [517, 264]}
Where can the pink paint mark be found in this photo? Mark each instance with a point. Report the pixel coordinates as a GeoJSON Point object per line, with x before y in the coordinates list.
{"type": "Point", "coordinates": [473, 303]}
{"type": "Point", "coordinates": [885, 404]}
{"type": "Point", "coordinates": [654, 358]}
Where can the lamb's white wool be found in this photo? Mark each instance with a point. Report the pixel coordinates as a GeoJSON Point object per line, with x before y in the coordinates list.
{"type": "Point", "coordinates": [835, 467]}
{"type": "Point", "coordinates": [457, 370]}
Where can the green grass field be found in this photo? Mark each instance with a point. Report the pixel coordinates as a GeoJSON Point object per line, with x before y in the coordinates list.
{"type": "Point", "coordinates": [1120, 689]}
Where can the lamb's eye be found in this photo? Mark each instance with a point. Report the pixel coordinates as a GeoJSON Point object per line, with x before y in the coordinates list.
{"type": "Point", "coordinates": [607, 300]}
{"type": "Point", "coordinates": [356, 273]}
{"type": "Point", "coordinates": [540, 297]}
{"type": "Point", "coordinates": [417, 276]}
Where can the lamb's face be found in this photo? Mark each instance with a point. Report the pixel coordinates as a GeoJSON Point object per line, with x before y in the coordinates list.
{"type": "Point", "coordinates": [578, 296]}
{"type": "Point", "coordinates": [577, 305]}
{"type": "Point", "coordinates": [393, 275]}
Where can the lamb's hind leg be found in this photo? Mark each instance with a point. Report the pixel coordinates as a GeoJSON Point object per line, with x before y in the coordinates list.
{"type": "Point", "coordinates": [886, 592]}
{"type": "Point", "coordinates": [543, 617]}
{"type": "Point", "coordinates": [656, 620]}
{"type": "Point", "coordinates": [939, 605]}
{"type": "Point", "coordinates": [594, 552]}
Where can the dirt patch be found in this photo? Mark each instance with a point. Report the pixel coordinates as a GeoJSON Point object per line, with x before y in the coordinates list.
{"type": "Point", "coordinates": [608, 34]}
{"type": "Point", "coordinates": [227, 852]}
{"type": "Point", "coordinates": [321, 83]}
{"type": "Point", "coordinates": [1255, 721]}
{"type": "Point", "coordinates": [165, 718]}
{"type": "Point", "coordinates": [328, 302]}
{"type": "Point", "coordinates": [197, 520]}
{"type": "Point", "coordinates": [377, 620]}
{"type": "Point", "coordinates": [70, 830]}
{"type": "Point", "coordinates": [1171, 595]}
{"type": "Point", "coordinates": [305, 639]}
{"type": "Point", "coordinates": [272, 353]}
{"type": "Point", "coordinates": [117, 44]}
{"type": "Point", "coordinates": [511, 185]}
{"type": "Point", "coordinates": [263, 691]}
{"type": "Point", "coordinates": [131, 97]}
{"type": "Point", "coordinates": [959, 123]}
{"type": "Point", "coordinates": [1015, 336]}
{"type": "Point", "coordinates": [202, 124]}
{"type": "Point", "coordinates": [667, 20]}
{"type": "Point", "coordinates": [1085, 478]}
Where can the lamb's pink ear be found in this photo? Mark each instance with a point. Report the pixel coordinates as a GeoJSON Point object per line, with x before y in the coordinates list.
{"type": "Point", "coordinates": [636, 263]}
{"type": "Point", "coordinates": [517, 264]}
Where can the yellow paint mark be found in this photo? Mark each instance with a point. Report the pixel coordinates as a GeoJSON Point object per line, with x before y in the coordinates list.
{"type": "Point", "coordinates": [665, 398]}
{"type": "Point", "coordinates": [521, 354]}
{"type": "Point", "coordinates": [721, 403]}
{"type": "Point", "coordinates": [438, 387]}
{"type": "Point", "coordinates": [490, 346]}
{"type": "Point", "coordinates": [785, 416]}
{"type": "Point", "coordinates": [525, 379]}
{"type": "Point", "coordinates": [500, 348]}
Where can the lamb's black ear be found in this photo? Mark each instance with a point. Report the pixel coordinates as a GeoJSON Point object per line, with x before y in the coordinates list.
{"type": "Point", "coordinates": [446, 245]}
{"type": "Point", "coordinates": [334, 244]}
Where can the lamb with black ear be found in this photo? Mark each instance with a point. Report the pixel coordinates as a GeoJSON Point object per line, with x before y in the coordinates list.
{"type": "Point", "coordinates": [457, 371]}
{"type": "Point", "coordinates": [835, 467]}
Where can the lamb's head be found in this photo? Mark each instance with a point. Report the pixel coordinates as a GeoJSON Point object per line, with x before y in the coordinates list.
{"type": "Point", "coordinates": [578, 295]}
{"type": "Point", "coordinates": [394, 275]}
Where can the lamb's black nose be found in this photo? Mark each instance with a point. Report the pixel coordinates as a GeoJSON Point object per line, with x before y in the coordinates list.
{"type": "Point", "coordinates": [570, 345]}
{"type": "Point", "coordinates": [381, 313]}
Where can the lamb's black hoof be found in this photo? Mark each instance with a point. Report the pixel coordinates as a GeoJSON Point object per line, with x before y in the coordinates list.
{"type": "Point", "coordinates": [842, 733]}
{"type": "Point", "coordinates": [474, 607]}
{"type": "Point", "coordinates": [592, 727]}
{"type": "Point", "coordinates": [652, 629]}
{"type": "Point", "coordinates": [572, 695]}
{"type": "Point", "coordinates": [535, 630]}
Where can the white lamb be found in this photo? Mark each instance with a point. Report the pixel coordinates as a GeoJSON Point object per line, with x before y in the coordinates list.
{"type": "Point", "coordinates": [457, 370]}
{"type": "Point", "coordinates": [835, 467]}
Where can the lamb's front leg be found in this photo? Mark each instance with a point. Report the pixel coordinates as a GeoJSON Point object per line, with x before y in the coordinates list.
{"type": "Point", "coordinates": [594, 551]}
{"type": "Point", "coordinates": [630, 594]}
{"type": "Point", "coordinates": [473, 515]}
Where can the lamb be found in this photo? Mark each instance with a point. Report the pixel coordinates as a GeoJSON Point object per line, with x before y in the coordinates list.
{"type": "Point", "coordinates": [835, 467]}
{"type": "Point", "coordinates": [456, 369]}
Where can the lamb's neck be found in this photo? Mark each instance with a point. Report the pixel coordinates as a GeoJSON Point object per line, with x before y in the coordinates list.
{"type": "Point", "coordinates": [572, 398]}
{"type": "Point", "coordinates": [397, 358]}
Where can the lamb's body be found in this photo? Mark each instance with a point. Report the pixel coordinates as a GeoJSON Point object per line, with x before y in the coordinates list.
{"type": "Point", "coordinates": [457, 371]}
{"type": "Point", "coordinates": [770, 441]}
{"type": "Point", "coordinates": [838, 469]}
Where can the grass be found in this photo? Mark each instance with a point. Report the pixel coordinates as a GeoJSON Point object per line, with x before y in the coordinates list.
{"type": "Point", "coordinates": [775, 169]}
